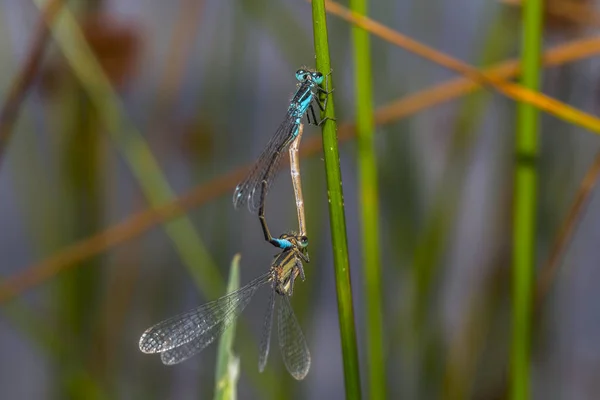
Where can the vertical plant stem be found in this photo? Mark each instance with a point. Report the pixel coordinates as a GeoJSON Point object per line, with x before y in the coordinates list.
{"type": "Point", "coordinates": [369, 207]}
{"type": "Point", "coordinates": [228, 365]}
{"type": "Point", "coordinates": [337, 218]}
{"type": "Point", "coordinates": [524, 217]}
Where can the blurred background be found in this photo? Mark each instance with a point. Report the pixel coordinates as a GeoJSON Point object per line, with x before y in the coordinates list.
{"type": "Point", "coordinates": [199, 88]}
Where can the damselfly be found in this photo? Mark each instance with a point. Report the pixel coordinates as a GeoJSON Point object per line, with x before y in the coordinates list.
{"type": "Point", "coordinates": [250, 190]}
{"type": "Point", "coordinates": [180, 337]}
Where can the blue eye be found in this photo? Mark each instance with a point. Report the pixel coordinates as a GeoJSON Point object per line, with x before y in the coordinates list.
{"type": "Point", "coordinates": [301, 75]}
{"type": "Point", "coordinates": [318, 78]}
{"type": "Point", "coordinates": [303, 241]}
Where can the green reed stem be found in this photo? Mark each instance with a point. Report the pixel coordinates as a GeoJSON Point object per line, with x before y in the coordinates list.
{"type": "Point", "coordinates": [228, 365]}
{"type": "Point", "coordinates": [369, 205]}
{"type": "Point", "coordinates": [525, 191]}
{"type": "Point", "coordinates": [337, 218]}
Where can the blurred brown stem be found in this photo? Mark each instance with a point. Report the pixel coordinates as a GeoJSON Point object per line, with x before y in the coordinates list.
{"type": "Point", "coordinates": [180, 50]}
{"type": "Point", "coordinates": [22, 82]}
{"type": "Point", "coordinates": [575, 11]}
{"type": "Point", "coordinates": [565, 233]}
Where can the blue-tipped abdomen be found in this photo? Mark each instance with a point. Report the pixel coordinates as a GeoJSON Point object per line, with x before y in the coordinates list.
{"type": "Point", "coordinates": [283, 243]}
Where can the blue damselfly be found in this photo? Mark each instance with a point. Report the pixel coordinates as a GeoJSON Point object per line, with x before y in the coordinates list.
{"type": "Point", "coordinates": [251, 190]}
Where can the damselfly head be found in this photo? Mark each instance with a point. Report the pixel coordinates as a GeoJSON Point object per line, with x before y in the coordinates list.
{"type": "Point", "coordinates": [303, 241]}
{"type": "Point", "coordinates": [305, 75]}
{"type": "Point", "coordinates": [298, 241]}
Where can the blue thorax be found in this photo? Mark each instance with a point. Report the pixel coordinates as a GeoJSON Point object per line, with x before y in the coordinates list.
{"type": "Point", "coordinates": [302, 99]}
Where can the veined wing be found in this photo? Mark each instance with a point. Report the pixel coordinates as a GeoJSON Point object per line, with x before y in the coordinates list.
{"type": "Point", "coordinates": [249, 191]}
{"type": "Point", "coordinates": [294, 349]}
{"type": "Point", "coordinates": [265, 342]}
{"type": "Point", "coordinates": [195, 324]}
{"type": "Point", "coordinates": [187, 350]}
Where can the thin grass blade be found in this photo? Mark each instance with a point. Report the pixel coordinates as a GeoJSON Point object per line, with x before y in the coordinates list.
{"type": "Point", "coordinates": [227, 369]}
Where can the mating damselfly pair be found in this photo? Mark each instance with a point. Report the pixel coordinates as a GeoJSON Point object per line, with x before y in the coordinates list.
{"type": "Point", "coordinates": [180, 337]}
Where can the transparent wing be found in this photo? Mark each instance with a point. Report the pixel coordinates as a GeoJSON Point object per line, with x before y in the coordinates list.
{"type": "Point", "coordinates": [201, 323]}
{"type": "Point", "coordinates": [294, 349]}
{"type": "Point", "coordinates": [265, 342]}
{"type": "Point", "coordinates": [249, 191]}
{"type": "Point", "coordinates": [185, 351]}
